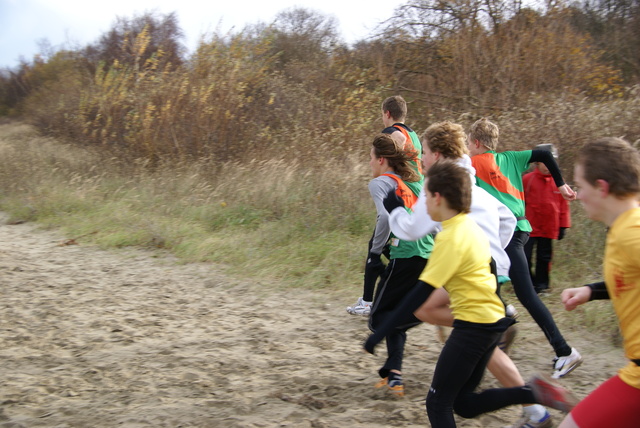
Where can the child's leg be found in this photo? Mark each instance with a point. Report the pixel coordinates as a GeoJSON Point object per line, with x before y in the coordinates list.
{"type": "Point", "coordinates": [395, 353]}
{"type": "Point", "coordinates": [469, 403]}
{"type": "Point", "coordinates": [504, 369]}
{"type": "Point", "coordinates": [461, 363]}
{"type": "Point", "coordinates": [522, 285]}
{"type": "Point", "coordinates": [370, 278]}
{"type": "Point", "coordinates": [528, 253]}
{"type": "Point", "coordinates": [544, 255]}
{"type": "Point", "coordinates": [436, 311]}
{"type": "Point", "coordinates": [401, 275]}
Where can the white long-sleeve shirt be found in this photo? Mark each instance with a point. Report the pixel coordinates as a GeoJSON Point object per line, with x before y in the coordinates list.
{"type": "Point", "coordinates": [493, 217]}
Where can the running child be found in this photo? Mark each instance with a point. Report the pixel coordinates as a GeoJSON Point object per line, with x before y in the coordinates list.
{"type": "Point", "coordinates": [392, 171]}
{"type": "Point", "coordinates": [607, 173]}
{"type": "Point", "coordinates": [394, 114]}
{"type": "Point", "coordinates": [500, 174]}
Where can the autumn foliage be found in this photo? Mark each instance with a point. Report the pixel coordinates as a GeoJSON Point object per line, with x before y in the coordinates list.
{"type": "Point", "coordinates": [285, 89]}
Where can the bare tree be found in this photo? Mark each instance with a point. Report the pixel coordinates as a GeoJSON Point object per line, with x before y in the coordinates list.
{"type": "Point", "coordinates": [164, 41]}
{"type": "Point", "coordinates": [437, 18]}
{"type": "Point", "coordinates": [614, 26]}
{"type": "Point", "coordinates": [304, 36]}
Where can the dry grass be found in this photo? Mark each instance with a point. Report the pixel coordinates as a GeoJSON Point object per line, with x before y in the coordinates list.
{"type": "Point", "coordinates": [265, 218]}
{"type": "Point", "coordinates": [302, 220]}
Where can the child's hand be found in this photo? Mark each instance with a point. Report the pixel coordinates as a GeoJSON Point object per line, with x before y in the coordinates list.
{"type": "Point", "coordinates": [574, 297]}
{"type": "Point", "coordinates": [392, 201]}
{"type": "Point", "coordinates": [567, 192]}
{"type": "Point", "coordinates": [561, 233]}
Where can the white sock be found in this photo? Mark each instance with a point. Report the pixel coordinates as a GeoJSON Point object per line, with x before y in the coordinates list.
{"type": "Point", "coordinates": [536, 412]}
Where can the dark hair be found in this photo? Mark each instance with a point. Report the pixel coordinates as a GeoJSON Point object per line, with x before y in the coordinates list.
{"type": "Point", "coordinates": [399, 159]}
{"type": "Point", "coordinates": [452, 182]}
{"type": "Point", "coordinates": [396, 106]}
{"type": "Point", "coordinates": [613, 160]}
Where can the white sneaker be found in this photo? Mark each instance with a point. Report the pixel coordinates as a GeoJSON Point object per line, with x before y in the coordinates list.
{"type": "Point", "coordinates": [525, 422]}
{"type": "Point", "coordinates": [511, 312]}
{"type": "Point", "coordinates": [565, 365]}
{"type": "Point", "coordinates": [361, 307]}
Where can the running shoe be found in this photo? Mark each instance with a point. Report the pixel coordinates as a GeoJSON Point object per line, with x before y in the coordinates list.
{"type": "Point", "coordinates": [526, 422]}
{"type": "Point", "coordinates": [361, 307]}
{"type": "Point", "coordinates": [564, 365]}
{"type": "Point", "coordinates": [395, 386]}
{"type": "Point", "coordinates": [507, 338]}
{"type": "Point", "coordinates": [550, 393]}
{"type": "Point", "coordinates": [511, 311]}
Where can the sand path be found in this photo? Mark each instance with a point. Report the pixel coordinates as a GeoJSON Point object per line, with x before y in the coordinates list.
{"type": "Point", "coordinates": [92, 338]}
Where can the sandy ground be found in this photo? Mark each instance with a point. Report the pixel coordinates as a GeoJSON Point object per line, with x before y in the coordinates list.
{"type": "Point", "coordinates": [90, 338]}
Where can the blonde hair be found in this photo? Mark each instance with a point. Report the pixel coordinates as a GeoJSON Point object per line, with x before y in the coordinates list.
{"type": "Point", "coordinates": [486, 132]}
{"type": "Point", "coordinates": [399, 159]}
{"type": "Point", "coordinates": [446, 138]}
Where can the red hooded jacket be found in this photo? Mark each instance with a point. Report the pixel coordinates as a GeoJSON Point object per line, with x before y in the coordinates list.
{"type": "Point", "coordinates": [545, 208]}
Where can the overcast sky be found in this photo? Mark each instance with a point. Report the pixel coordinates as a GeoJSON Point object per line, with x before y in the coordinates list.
{"type": "Point", "coordinates": [73, 23]}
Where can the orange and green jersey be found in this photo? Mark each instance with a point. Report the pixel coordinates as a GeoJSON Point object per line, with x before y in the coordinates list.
{"type": "Point", "coordinates": [400, 249]}
{"type": "Point", "coordinates": [412, 143]}
{"type": "Point", "coordinates": [500, 174]}
{"type": "Point", "coordinates": [404, 191]}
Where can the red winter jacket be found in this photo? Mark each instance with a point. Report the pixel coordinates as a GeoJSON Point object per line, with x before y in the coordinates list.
{"type": "Point", "coordinates": [545, 208]}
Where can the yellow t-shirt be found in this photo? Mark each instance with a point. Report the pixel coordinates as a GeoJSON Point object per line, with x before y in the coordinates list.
{"type": "Point", "coordinates": [459, 262]}
{"type": "Point", "coordinates": [622, 277]}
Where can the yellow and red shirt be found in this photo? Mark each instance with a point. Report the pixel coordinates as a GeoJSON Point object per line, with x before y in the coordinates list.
{"type": "Point", "coordinates": [622, 278]}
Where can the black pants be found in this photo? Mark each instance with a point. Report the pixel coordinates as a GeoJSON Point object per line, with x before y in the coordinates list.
{"type": "Point", "coordinates": [458, 373]}
{"type": "Point", "coordinates": [544, 254]}
{"type": "Point", "coordinates": [522, 285]}
{"type": "Point", "coordinates": [370, 279]}
{"type": "Point", "coordinates": [399, 277]}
